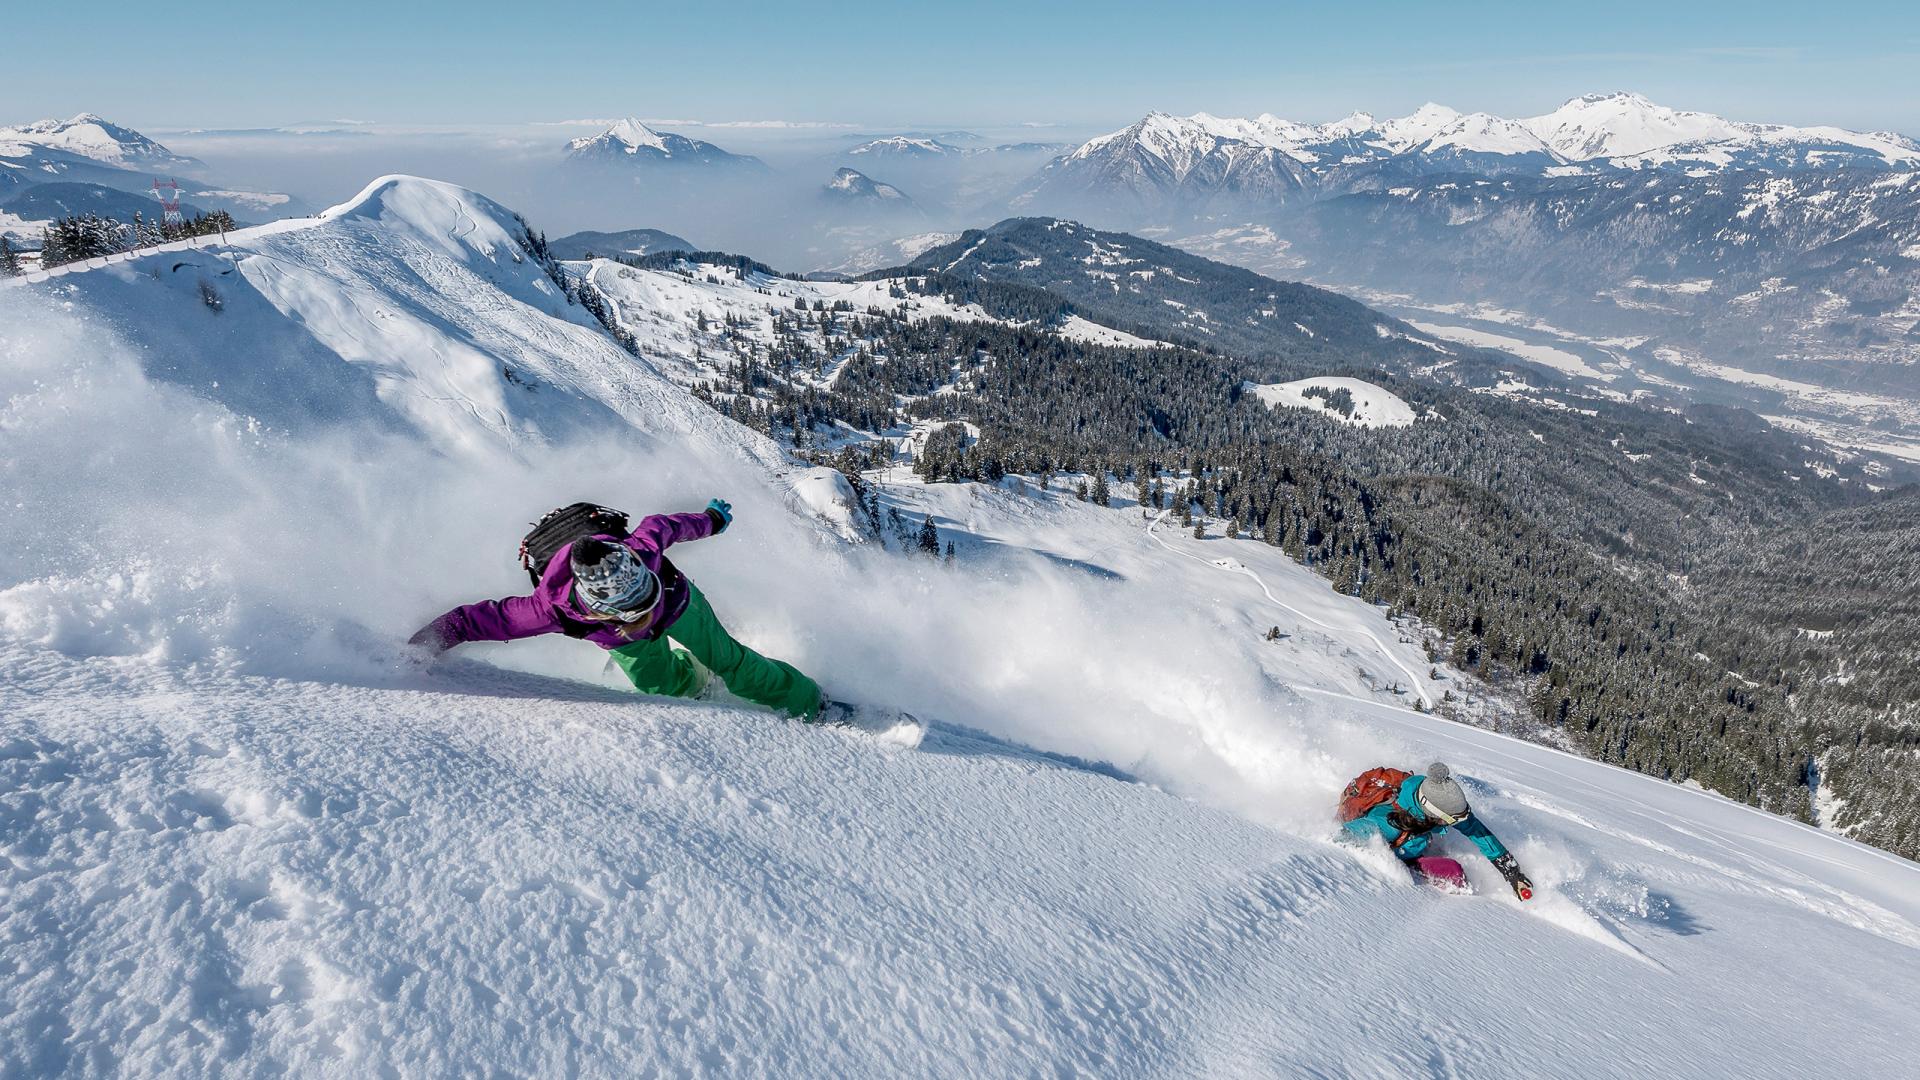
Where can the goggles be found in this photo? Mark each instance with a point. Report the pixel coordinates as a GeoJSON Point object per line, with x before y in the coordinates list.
{"type": "Point", "coordinates": [1444, 818]}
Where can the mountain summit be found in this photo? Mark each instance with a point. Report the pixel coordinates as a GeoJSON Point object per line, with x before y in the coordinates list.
{"type": "Point", "coordinates": [852, 185]}
{"type": "Point", "coordinates": [631, 142]}
{"type": "Point", "coordinates": [90, 136]}
{"type": "Point", "coordinates": [1621, 123]}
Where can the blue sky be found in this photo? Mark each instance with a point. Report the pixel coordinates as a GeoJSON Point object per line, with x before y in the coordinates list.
{"type": "Point", "coordinates": [985, 64]}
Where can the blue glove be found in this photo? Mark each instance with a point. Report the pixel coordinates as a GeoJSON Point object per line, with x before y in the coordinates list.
{"type": "Point", "coordinates": [721, 511]}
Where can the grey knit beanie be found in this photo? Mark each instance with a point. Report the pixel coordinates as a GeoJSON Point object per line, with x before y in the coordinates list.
{"type": "Point", "coordinates": [1440, 793]}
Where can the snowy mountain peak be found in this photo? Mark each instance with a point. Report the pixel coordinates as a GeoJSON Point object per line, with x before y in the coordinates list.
{"type": "Point", "coordinates": [852, 184]}
{"type": "Point", "coordinates": [904, 146]}
{"type": "Point", "coordinates": [90, 135]}
{"type": "Point", "coordinates": [629, 135]}
{"type": "Point", "coordinates": [636, 134]}
{"type": "Point", "coordinates": [1418, 126]}
{"type": "Point", "coordinates": [1484, 133]}
{"type": "Point", "coordinates": [631, 142]}
{"type": "Point", "coordinates": [1620, 123]}
{"type": "Point", "coordinates": [1351, 124]}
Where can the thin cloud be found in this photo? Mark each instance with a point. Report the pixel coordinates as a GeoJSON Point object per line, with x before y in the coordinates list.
{"type": "Point", "coordinates": [780, 124]}
{"type": "Point", "coordinates": [1751, 52]}
{"type": "Point", "coordinates": [677, 122]}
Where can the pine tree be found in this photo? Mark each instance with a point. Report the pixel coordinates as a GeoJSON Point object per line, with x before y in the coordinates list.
{"type": "Point", "coordinates": [1101, 494]}
{"type": "Point", "coordinates": [9, 262]}
{"type": "Point", "coordinates": [949, 551]}
{"type": "Point", "coordinates": [929, 537]}
{"type": "Point", "coordinates": [1200, 530]}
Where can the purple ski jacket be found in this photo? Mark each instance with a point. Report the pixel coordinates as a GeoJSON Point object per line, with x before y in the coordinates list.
{"type": "Point", "coordinates": [555, 609]}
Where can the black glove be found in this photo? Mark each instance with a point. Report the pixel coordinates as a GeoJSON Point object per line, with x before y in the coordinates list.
{"type": "Point", "coordinates": [1509, 869]}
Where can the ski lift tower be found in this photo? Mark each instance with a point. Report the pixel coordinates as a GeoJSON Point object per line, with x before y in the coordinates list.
{"type": "Point", "coordinates": [168, 192]}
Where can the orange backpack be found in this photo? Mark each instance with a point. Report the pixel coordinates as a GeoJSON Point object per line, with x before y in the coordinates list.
{"type": "Point", "coordinates": [1370, 789]}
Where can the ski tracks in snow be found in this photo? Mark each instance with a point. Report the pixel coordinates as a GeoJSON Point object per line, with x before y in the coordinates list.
{"type": "Point", "coordinates": [1413, 680]}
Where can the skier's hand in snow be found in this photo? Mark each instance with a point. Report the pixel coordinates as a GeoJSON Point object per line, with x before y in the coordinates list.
{"type": "Point", "coordinates": [426, 645]}
{"type": "Point", "coordinates": [1510, 869]}
{"type": "Point", "coordinates": [721, 511]}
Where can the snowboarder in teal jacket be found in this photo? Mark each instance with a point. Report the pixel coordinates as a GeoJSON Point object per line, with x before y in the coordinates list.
{"type": "Point", "coordinates": [1425, 806]}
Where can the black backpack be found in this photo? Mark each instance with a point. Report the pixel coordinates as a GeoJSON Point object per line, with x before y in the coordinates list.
{"type": "Point", "coordinates": [562, 527]}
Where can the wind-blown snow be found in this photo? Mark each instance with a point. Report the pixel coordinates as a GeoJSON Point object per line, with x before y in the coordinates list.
{"type": "Point", "coordinates": [240, 833]}
{"type": "Point", "coordinates": [1373, 406]}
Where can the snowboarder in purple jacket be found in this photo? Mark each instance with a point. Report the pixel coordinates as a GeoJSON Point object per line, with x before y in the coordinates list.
{"type": "Point", "coordinates": [622, 594]}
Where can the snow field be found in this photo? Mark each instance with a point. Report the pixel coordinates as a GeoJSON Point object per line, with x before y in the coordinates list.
{"type": "Point", "coordinates": [1373, 406]}
{"type": "Point", "coordinates": [240, 832]}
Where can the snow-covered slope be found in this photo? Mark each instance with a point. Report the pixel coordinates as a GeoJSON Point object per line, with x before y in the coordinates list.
{"type": "Point", "coordinates": [411, 304]}
{"type": "Point", "coordinates": [1367, 405]}
{"type": "Point", "coordinates": [239, 832]}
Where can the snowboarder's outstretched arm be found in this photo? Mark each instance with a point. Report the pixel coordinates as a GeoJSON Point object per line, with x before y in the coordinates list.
{"type": "Point", "coordinates": [1482, 837]}
{"type": "Point", "coordinates": [661, 531]}
{"type": "Point", "coordinates": [488, 620]}
{"type": "Point", "coordinates": [1497, 854]}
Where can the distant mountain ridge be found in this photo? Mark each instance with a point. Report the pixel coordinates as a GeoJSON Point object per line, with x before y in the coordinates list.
{"type": "Point", "coordinates": [1148, 288]}
{"type": "Point", "coordinates": [96, 138]}
{"type": "Point", "coordinates": [584, 245]}
{"type": "Point", "coordinates": [88, 152]}
{"type": "Point", "coordinates": [1190, 161]}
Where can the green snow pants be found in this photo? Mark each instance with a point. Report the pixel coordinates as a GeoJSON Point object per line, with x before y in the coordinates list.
{"type": "Point", "coordinates": [656, 667]}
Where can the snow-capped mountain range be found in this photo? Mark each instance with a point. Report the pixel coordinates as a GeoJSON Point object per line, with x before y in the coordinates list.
{"type": "Point", "coordinates": [630, 142]}
{"type": "Point", "coordinates": [1202, 156]}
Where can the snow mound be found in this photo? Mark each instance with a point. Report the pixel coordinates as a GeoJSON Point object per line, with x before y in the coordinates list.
{"type": "Point", "coordinates": [827, 495]}
{"type": "Point", "coordinates": [1373, 406]}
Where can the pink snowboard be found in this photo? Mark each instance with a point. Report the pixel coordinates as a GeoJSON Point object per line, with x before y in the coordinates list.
{"type": "Point", "coordinates": [1443, 874]}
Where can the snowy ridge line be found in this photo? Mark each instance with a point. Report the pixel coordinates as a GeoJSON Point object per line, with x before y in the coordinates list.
{"type": "Point", "coordinates": [1412, 679]}
{"type": "Point", "coordinates": [212, 245]}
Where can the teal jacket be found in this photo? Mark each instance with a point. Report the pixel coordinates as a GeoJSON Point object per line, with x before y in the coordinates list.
{"type": "Point", "coordinates": [1404, 826]}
